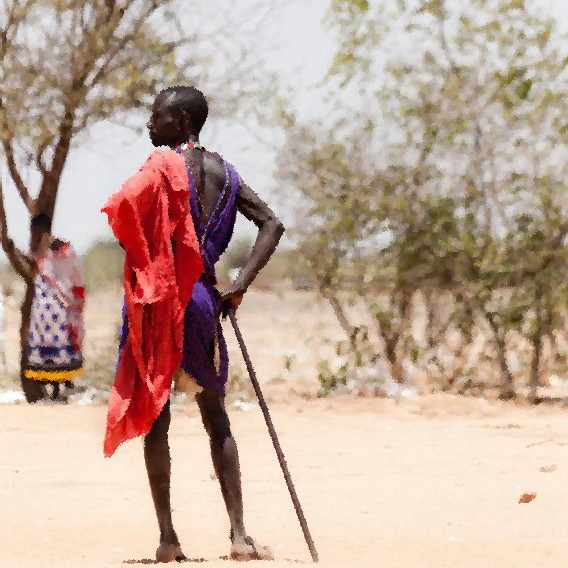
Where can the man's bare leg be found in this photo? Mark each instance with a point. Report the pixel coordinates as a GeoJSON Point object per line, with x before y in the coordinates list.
{"type": "Point", "coordinates": [225, 458]}
{"type": "Point", "coordinates": [158, 466]}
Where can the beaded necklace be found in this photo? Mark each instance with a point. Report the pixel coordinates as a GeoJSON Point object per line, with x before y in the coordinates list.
{"type": "Point", "coordinates": [196, 145]}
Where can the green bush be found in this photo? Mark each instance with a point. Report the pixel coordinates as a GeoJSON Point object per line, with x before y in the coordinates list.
{"type": "Point", "coordinates": [103, 264]}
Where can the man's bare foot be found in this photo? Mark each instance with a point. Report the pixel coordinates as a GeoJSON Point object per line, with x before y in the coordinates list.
{"type": "Point", "coordinates": [169, 553]}
{"type": "Point", "coordinates": [250, 550]}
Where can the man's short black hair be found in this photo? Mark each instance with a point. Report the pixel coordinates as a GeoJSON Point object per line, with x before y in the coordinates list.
{"type": "Point", "coordinates": [42, 221]}
{"type": "Point", "coordinates": [192, 101]}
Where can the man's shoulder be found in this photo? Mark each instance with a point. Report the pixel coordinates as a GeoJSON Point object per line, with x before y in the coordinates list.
{"type": "Point", "coordinates": [161, 158]}
{"type": "Point", "coordinates": [218, 164]}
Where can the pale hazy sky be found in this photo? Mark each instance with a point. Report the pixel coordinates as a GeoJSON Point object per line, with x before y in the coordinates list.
{"type": "Point", "coordinates": [102, 161]}
{"type": "Point", "coordinates": [99, 165]}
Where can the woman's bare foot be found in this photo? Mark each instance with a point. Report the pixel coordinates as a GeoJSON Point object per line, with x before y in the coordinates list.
{"type": "Point", "coordinates": [169, 553]}
{"type": "Point", "coordinates": [248, 549]}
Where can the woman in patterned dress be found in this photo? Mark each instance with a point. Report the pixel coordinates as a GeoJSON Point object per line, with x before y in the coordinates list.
{"type": "Point", "coordinates": [56, 331]}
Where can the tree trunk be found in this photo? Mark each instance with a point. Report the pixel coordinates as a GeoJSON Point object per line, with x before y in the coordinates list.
{"type": "Point", "coordinates": [349, 330]}
{"type": "Point", "coordinates": [544, 319]}
{"type": "Point", "coordinates": [392, 340]}
{"type": "Point", "coordinates": [536, 342]}
{"type": "Point", "coordinates": [507, 379]}
{"type": "Point", "coordinates": [33, 390]}
{"type": "Point", "coordinates": [397, 370]}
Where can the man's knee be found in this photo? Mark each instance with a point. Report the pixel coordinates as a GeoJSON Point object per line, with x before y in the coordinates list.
{"type": "Point", "coordinates": [217, 424]}
{"type": "Point", "coordinates": [220, 427]}
{"type": "Point", "coordinates": [214, 416]}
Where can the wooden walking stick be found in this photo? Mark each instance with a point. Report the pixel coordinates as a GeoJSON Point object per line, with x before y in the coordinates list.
{"type": "Point", "coordinates": [274, 437]}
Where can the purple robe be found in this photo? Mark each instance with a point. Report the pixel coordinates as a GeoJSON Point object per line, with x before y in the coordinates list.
{"type": "Point", "coordinates": [203, 334]}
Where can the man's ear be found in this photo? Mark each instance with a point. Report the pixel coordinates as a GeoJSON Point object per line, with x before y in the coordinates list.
{"type": "Point", "coordinates": [185, 121]}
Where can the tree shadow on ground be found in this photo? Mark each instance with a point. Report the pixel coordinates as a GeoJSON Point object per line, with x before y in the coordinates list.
{"type": "Point", "coordinates": [200, 560]}
{"type": "Point", "coordinates": [559, 401]}
{"type": "Point", "coordinates": [150, 561]}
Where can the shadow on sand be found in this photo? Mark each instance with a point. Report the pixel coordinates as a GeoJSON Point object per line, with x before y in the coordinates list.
{"type": "Point", "coordinates": [150, 561]}
{"type": "Point", "coordinates": [200, 560]}
{"type": "Point", "coordinates": [560, 401]}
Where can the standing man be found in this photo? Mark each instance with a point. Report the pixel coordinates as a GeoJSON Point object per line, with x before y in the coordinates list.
{"type": "Point", "coordinates": [174, 219]}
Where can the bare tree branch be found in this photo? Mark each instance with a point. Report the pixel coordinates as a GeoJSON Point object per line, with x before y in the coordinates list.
{"type": "Point", "coordinates": [16, 177]}
{"type": "Point", "coordinates": [39, 158]}
{"type": "Point", "coordinates": [15, 15]}
{"type": "Point", "coordinates": [21, 264]}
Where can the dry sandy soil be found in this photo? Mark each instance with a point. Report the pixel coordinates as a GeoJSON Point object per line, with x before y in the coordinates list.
{"type": "Point", "coordinates": [428, 482]}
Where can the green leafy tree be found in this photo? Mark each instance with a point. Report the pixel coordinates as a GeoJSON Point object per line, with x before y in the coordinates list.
{"type": "Point", "coordinates": [439, 176]}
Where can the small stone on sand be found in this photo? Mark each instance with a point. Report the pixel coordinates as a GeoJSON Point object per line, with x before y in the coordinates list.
{"type": "Point", "coordinates": [527, 497]}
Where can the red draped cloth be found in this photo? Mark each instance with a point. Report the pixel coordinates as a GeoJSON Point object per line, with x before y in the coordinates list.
{"type": "Point", "coordinates": [150, 217]}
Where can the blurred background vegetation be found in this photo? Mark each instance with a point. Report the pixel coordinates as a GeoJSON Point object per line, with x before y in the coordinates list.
{"type": "Point", "coordinates": [435, 200]}
{"type": "Point", "coordinates": [426, 196]}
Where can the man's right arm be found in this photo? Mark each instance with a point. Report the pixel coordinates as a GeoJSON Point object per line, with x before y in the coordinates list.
{"type": "Point", "coordinates": [270, 230]}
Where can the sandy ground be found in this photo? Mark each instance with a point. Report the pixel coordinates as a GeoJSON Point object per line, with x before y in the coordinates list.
{"type": "Point", "coordinates": [428, 482]}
